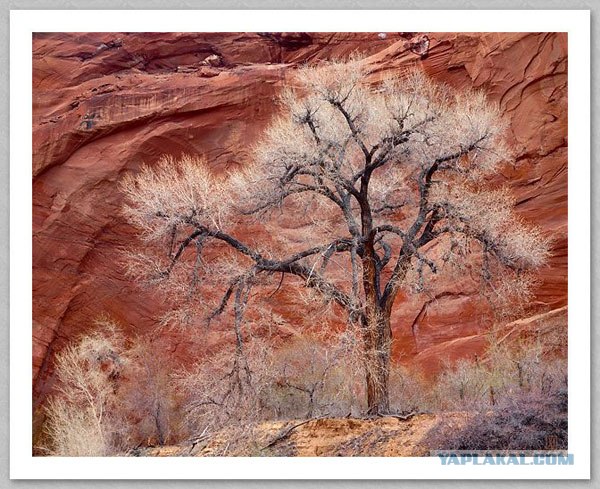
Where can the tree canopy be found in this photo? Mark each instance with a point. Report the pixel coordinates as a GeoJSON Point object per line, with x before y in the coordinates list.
{"type": "Point", "coordinates": [392, 179]}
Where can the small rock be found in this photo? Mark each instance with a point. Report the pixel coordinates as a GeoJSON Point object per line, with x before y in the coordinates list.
{"type": "Point", "coordinates": [208, 72]}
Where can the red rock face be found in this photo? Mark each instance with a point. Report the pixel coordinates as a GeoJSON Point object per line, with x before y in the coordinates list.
{"type": "Point", "coordinates": [105, 103]}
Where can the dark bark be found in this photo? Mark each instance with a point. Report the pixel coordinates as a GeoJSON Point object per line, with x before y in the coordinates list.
{"type": "Point", "coordinates": [378, 337]}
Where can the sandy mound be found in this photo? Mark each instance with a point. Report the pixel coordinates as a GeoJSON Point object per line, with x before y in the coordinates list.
{"type": "Point", "coordinates": [328, 437]}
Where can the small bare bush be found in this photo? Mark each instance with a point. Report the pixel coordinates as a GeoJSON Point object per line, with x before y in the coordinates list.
{"type": "Point", "coordinates": [304, 377]}
{"type": "Point", "coordinates": [461, 386]}
{"type": "Point", "coordinates": [504, 370]}
{"type": "Point", "coordinates": [110, 396]}
{"type": "Point", "coordinates": [514, 398]}
{"type": "Point", "coordinates": [225, 388]}
{"type": "Point", "coordinates": [314, 377]}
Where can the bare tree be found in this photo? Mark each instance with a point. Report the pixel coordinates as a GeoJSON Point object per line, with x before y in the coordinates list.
{"type": "Point", "coordinates": [392, 177]}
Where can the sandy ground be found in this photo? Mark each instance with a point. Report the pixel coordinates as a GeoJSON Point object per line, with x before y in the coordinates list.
{"type": "Point", "coordinates": [329, 437]}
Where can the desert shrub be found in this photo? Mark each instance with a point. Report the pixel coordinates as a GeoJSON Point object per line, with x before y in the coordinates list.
{"type": "Point", "coordinates": [149, 397]}
{"type": "Point", "coordinates": [302, 378]}
{"type": "Point", "coordinates": [225, 388]}
{"type": "Point", "coordinates": [111, 394]}
{"type": "Point", "coordinates": [83, 418]}
{"type": "Point", "coordinates": [515, 398]}
{"type": "Point", "coordinates": [461, 386]}
{"type": "Point", "coordinates": [505, 369]}
{"type": "Point", "coordinates": [313, 377]}
{"type": "Point", "coordinates": [408, 391]}
{"type": "Point", "coordinates": [522, 420]}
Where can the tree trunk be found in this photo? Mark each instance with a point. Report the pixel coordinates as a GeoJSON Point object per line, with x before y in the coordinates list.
{"type": "Point", "coordinates": [377, 342]}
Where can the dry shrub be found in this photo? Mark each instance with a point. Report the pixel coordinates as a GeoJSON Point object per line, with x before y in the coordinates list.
{"type": "Point", "coordinates": [224, 388]}
{"type": "Point", "coordinates": [149, 396]}
{"type": "Point", "coordinates": [82, 418]}
{"type": "Point", "coordinates": [303, 378]}
{"type": "Point", "coordinates": [506, 368]}
{"type": "Point", "coordinates": [462, 386]}
{"type": "Point", "coordinates": [521, 420]}
{"type": "Point", "coordinates": [110, 395]}
{"type": "Point", "coordinates": [315, 377]}
{"type": "Point", "coordinates": [515, 398]}
{"type": "Point", "coordinates": [409, 393]}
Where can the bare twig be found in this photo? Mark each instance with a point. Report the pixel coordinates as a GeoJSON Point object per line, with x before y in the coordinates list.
{"type": "Point", "coordinates": [289, 430]}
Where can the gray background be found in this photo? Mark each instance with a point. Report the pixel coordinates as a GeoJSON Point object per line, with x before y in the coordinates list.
{"type": "Point", "coordinates": [6, 6]}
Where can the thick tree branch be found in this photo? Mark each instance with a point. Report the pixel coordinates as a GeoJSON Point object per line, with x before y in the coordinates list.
{"type": "Point", "coordinates": [353, 129]}
{"type": "Point", "coordinates": [312, 279]}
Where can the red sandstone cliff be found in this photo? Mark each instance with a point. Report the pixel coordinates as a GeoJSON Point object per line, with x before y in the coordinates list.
{"type": "Point", "coordinates": [105, 103]}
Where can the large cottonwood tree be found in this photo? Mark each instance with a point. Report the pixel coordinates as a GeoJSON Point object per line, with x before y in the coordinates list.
{"type": "Point", "coordinates": [393, 178]}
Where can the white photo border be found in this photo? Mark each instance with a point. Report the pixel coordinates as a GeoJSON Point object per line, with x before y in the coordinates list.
{"type": "Point", "coordinates": [25, 22]}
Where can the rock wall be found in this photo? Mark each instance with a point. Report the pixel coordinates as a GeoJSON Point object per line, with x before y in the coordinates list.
{"type": "Point", "coordinates": [104, 103]}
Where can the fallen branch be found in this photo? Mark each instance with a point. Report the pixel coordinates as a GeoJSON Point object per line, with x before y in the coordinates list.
{"type": "Point", "coordinates": [287, 432]}
{"type": "Point", "coordinates": [135, 451]}
{"type": "Point", "coordinates": [403, 417]}
{"type": "Point", "coordinates": [202, 437]}
{"type": "Point", "coordinates": [373, 417]}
